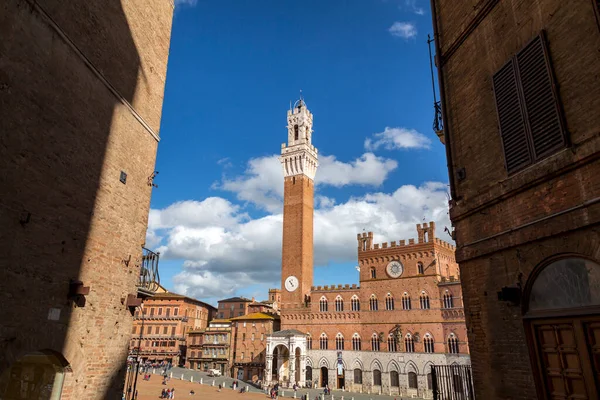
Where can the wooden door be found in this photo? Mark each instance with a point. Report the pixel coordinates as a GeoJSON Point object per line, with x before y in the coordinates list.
{"type": "Point", "coordinates": [568, 357]}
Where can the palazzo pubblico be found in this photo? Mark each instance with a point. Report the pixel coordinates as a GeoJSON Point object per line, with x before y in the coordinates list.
{"type": "Point", "coordinates": [382, 335]}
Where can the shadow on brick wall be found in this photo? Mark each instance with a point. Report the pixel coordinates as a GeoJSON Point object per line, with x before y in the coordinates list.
{"type": "Point", "coordinates": [55, 121]}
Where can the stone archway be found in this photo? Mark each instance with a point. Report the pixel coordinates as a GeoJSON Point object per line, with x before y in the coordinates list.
{"type": "Point", "coordinates": [286, 358]}
{"type": "Point", "coordinates": [38, 375]}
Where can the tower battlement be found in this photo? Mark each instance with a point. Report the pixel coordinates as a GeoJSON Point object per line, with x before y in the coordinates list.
{"type": "Point", "coordinates": [425, 234]}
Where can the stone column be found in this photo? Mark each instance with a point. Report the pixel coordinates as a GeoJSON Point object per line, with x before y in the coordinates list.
{"type": "Point", "coordinates": [268, 369]}
{"type": "Point", "coordinates": [302, 370]}
{"type": "Point", "coordinates": [292, 368]}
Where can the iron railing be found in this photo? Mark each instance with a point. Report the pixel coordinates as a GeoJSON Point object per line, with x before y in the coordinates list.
{"type": "Point", "coordinates": [149, 281]}
{"type": "Point", "coordinates": [452, 382]}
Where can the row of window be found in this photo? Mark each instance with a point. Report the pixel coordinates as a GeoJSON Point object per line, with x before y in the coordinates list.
{"type": "Point", "coordinates": [447, 302]}
{"type": "Point", "coordinates": [262, 337]}
{"type": "Point", "coordinates": [155, 343]}
{"type": "Point", "coordinates": [214, 351]}
{"type": "Point", "coordinates": [157, 330]}
{"type": "Point", "coordinates": [392, 343]}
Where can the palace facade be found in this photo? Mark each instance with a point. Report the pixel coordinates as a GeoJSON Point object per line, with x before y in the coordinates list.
{"type": "Point", "coordinates": [382, 335]}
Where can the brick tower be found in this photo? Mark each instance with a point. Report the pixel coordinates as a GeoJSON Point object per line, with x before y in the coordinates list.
{"type": "Point", "coordinates": [299, 162]}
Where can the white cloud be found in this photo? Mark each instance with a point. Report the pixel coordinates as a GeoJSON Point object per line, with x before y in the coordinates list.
{"type": "Point", "coordinates": [412, 6]}
{"type": "Point", "coordinates": [397, 138]}
{"type": "Point", "coordinates": [405, 30]}
{"type": "Point", "coordinates": [190, 3]}
{"type": "Point", "coordinates": [368, 170]}
{"type": "Point", "coordinates": [224, 252]}
{"type": "Point", "coordinates": [262, 182]}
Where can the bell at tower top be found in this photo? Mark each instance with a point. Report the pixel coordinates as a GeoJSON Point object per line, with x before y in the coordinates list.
{"type": "Point", "coordinates": [299, 156]}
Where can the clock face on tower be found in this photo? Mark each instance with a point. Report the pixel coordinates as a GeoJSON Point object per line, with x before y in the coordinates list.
{"type": "Point", "coordinates": [291, 283]}
{"type": "Point", "coordinates": [394, 269]}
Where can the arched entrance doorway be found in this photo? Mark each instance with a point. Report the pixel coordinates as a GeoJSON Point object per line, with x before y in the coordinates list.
{"type": "Point", "coordinates": [324, 376]}
{"type": "Point", "coordinates": [38, 375]}
{"type": "Point", "coordinates": [562, 319]}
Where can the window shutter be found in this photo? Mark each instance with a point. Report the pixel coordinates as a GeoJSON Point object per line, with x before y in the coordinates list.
{"type": "Point", "coordinates": [541, 106]}
{"type": "Point", "coordinates": [527, 104]}
{"type": "Point", "coordinates": [511, 119]}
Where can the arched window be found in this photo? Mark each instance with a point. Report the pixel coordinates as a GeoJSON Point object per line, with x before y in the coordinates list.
{"type": "Point", "coordinates": [389, 302]}
{"type": "Point", "coordinates": [420, 269]}
{"type": "Point", "coordinates": [448, 300]}
{"type": "Point", "coordinates": [323, 341]}
{"type": "Point", "coordinates": [373, 304]}
{"type": "Point", "coordinates": [376, 377]}
{"type": "Point", "coordinates": [428, 343]}
{"type": "Point", "coordinates": [375, 342]}
{"type": "Point", "coordinates": [339, 342]}
{"type": "Point", "coordinates": [358, 376]}
{"type": "Point", "coordinates": [394, 379]}
{"type": "Point", "coordinates": [356, 342]}
{"type": "Point", "coordinates": [323, 304]}
{"type": "Point", "coordinates": [355, 302]}
{"type": "Point", "coordinates": [406, 301]}
{"type": "Point", "coordinates": [309, 342]}
{"type": "Point", "coordinates": [339, 304]}
{"type": "Point", "coordinates": [424, 299]}
{"type": "Point", "coordinates": [412, 380]}
{"type": "Point", "coordinates": [373, 273]}
{"type": "Point", "coordinates": [392, 344]}
{"type": "Point", "coordinates": [409, 343]}
{"type": "Point", "coordinates": [453, 344]}
{"type": "Point", "coordinates": [295, 132]}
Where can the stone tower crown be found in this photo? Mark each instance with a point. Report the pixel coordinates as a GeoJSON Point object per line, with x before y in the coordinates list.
{"type": "Point", "coordinates": [299, 156]}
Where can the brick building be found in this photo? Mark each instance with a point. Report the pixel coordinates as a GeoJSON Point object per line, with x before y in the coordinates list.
{"type": "Point", "coordinates": [233, 307]}
{"type": "Point", "coordinates": [520, 95]}
{"type": "Point", "coordinates": [216, 347]}
{"type": "Point", "coordinates": [249, 343]}
{"type": "Point", "coordinates": [194, 341]}
{"type": "Point", "coordinates": [81, 93]}
{"type": "Point", "coordinates": [162, 325]}
{"type": "Point", "coordinates": [380, 335]}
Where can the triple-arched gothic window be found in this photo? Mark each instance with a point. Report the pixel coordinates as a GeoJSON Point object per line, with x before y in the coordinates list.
{"type": "Point", "coordinates": [323, 304]}
{"type": "Point", "coordinates": [409, 344]}
{"type": "Point", "coordinates": [428, 343]}
{"type": "Point", "coordinates": [309, 342]}
{"type": "Point", "coordinates": [389, 302]}
{"type": "Point", "coordinates": [375, 342]}
{"type": "Point", "coordinates": [323, 341]}
{"type": "Point", "coordinates": [355, 303]}
{"type": "Point", "coordinates": [339, 304]}
{"type": "Point", "coordinates": [373, 304]}
{"type": "Point", "coordinates": [448, 300]}
{"type": "Point", "coordinates": [392, 343]}
{"type": "Point", "coordinates": [339, 342]}
{"type": "Point", "coordinates": [453, 344]}
{"type": "Point", "coordinates": [424, 300]}
{"type": "Point", "coordinates": [356, 342]}
{"type": "Point", "coordinates": [420, 269]}
{"type": "Point", "coordinates": [406, 301]}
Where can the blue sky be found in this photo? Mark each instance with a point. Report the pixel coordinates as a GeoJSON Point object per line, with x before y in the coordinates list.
{"type": "Point", "coordinates": [234, 67]}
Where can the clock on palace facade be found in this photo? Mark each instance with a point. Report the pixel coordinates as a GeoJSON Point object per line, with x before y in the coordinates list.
{"type": "Point", "coordinates": [394, 269]}
{"type": "Point", "coordinates": [291, 283]}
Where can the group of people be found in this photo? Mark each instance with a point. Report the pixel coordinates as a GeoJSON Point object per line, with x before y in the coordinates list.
{"type": "Point", "coordinates": [168, 393]}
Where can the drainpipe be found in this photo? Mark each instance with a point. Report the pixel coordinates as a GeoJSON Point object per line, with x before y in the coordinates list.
{"type": "Point", "coordinates": [438, 57]}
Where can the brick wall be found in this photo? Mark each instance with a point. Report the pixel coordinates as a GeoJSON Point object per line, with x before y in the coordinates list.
{"type": "Point", "coordinates": [506, 225]}
{"type": "Point", "coordinates": [67, 135]}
